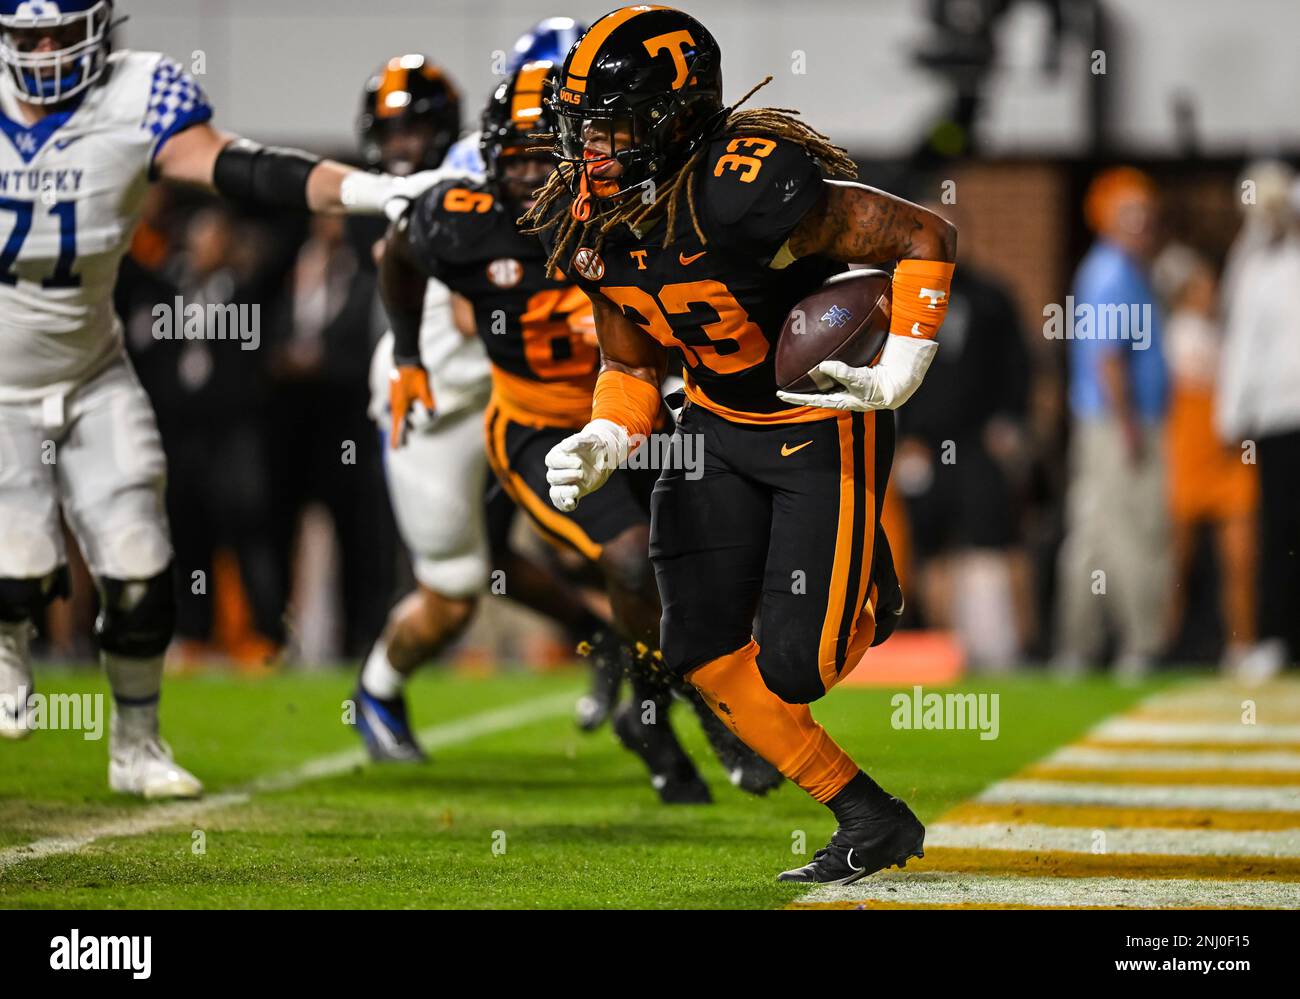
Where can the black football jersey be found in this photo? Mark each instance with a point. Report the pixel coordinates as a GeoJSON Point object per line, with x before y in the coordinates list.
{"type": "Point", "coordinates": [718, 304]}
{"type": "Point", "coordinates": [536, 329]}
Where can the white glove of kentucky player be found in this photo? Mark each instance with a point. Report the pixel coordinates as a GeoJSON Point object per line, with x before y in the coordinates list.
{"type": "Point", "coordinates": [887, 384]}
{"type": "Point", "coordinates": [582, 462]}
{"type": "Point", "coordinates": [365, 193]}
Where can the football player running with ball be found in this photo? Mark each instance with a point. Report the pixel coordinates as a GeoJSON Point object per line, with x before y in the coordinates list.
{"type": "Point", "coordinates": [695, 228]}
{"type": "Point", "coordinates": [85, 129]}
{"type": "Point", "coordinates": [537, 329]}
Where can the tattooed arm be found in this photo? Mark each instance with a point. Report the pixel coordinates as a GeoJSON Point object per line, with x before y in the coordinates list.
{"type": "Point", "coordinates": [856, 224]}
{"type": "Point", "coordinates": [626, 347]}
{"type": "Point", "coordinates": [860, 225]}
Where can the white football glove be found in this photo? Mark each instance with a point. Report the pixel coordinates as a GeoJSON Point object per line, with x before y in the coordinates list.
{"type": "Point", "coordinates": [365, 193]}
{"type": "Point", "coordinates": [582, 462]}
{"type": "Point", "coordinates": [887, 384]}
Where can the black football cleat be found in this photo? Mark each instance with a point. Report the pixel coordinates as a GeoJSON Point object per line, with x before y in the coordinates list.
{"type": "Point", "coordinates": [891, 839]}
{"type": "Point", "coordinates": [745, 768]}
{"type": "Point", "coordinates": [607, 657]}
{"type": "Point", "coordinates": [386, 729]}
{"type": "Point", "coordinates": [672, 774]}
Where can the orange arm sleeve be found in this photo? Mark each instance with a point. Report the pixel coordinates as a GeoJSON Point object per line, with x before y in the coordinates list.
{"type": "Point", "coordinates": [626, 400]}
{"type": "Point", "coordinates": [921, 290]}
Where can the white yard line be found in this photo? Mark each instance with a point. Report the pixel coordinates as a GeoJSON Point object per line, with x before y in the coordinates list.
{"type": "Point", "coordinates": [1156, 732]}
{"type": "Point", "coordinates": [1083, 839]}
{"type": "Point", "coordinates": [1232, 798]}
{"type": "Point", "coordinates": [161, 816]}
{"type": "Point", "coordinates": [1217, 697]}
{"type": "Point", "coordinates": [950, 888]}
{"type": "Point", "coordinates": [1102, 758]}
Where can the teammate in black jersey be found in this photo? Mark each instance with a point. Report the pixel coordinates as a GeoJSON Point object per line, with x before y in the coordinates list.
{"type": "Point", "coordinates": [539, 335]}
{"type": "Point", "coordinates": [695, 228]}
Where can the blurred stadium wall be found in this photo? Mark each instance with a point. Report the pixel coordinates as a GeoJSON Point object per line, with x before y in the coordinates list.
{"type": "Point", "coordinates": [291, 70]}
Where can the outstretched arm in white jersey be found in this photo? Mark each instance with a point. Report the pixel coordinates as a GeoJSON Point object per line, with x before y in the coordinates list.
{"type": "Point", "coordinates": [209, 158]}
{"type": "Point", "coordinates": [190, 157]}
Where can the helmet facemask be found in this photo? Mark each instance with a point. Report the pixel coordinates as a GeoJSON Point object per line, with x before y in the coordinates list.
{"type": "Point", "coordinates": [76, 60]}
{"type": "Point", "coordinates": [613, 152]}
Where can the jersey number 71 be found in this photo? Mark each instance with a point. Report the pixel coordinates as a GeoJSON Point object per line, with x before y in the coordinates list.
{"type": "Point", "coordinates": [66, 213]}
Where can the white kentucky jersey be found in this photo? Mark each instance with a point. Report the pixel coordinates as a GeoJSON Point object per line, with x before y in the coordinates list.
{"type": "Point", "coordinates": [71, 186]}
{"type": "Point", "coordinates": [459, 372]}
{"type": "Point", "coordinates": [460, 375]}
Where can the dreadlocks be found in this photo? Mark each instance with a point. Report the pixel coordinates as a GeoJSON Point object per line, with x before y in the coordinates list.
{"type": "Point", "coordinates": [641, 217]}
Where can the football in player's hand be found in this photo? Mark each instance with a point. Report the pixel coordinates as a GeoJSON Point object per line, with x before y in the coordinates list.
{"type": "Point", "coordinates": [846, 319]}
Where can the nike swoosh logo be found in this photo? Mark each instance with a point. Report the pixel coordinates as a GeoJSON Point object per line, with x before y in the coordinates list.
{"type": "Point", "coordinates": [849, 860]}
{"type": "Point", "coordinates": [787, 450]}
{"type": "Point", "coordinates": [684, 260]}
{"type": "Point", "coordinates": [63, 144]}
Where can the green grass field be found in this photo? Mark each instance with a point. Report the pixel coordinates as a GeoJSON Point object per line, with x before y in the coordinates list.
{"type": "Point", "coordinates": [572, 818]}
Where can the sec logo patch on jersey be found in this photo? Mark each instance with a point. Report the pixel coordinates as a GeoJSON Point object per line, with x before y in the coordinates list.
{"type": "Point", "coordinates": [505, 272]}
{"type": "Point", "coordinates": [587, 262]}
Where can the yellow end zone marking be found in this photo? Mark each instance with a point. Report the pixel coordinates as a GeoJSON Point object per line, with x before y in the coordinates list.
{"type": "Point", "coordinates": [1097, 865]}
{"type": "Point", "coordinates": [1204, 718]}
{"type": "Point", "coordinates": [1208, 747]}
{"type": "Point", "coordinates": [875, 903]}
{"type": "Point", "coordinates": [1108, 817]}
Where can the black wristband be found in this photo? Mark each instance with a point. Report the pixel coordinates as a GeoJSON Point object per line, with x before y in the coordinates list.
{"type": "Point", "coordinates": [264, 175]}
{"type": "Point", "coordinates": [406, 340]}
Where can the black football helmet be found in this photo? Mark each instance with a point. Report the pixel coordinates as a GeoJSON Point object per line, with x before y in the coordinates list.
{"type": "Point", "coordinates": [641, 88]}
{"type": "Point", "coordinates": [409, 92]}
{"type": "Point", "coordinates": [518, 119]}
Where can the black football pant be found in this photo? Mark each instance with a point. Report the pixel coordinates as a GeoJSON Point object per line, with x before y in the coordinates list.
{"type": "Point", "coordinates": [517, 454]}
{"type": "Point", "coordinates": [772, 536]}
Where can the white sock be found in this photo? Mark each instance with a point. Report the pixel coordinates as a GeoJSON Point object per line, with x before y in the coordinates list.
{"type": "Point", "coordinates": [134, 681]}
{"type": "Point", "coordinates": [378, 678]}
{"type": "Point", "coordinates": [15, 664]}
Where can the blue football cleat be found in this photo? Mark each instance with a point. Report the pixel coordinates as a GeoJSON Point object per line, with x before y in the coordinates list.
{"type": "Point", "coordinates": [384, 726]}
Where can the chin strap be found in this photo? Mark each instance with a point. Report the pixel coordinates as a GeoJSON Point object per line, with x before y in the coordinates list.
{"type": "Point", "coordinates": [581, 207]}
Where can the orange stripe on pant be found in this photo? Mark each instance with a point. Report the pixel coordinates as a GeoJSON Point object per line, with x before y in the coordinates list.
{"type": "Point", "coordinates": [783, 734]}
{"type": "Point", "coordinates": [851, 552]}
{"type": "Point", "coordinates": [864, 625]}
{"type": "Point", "coordinates": [554, 526]}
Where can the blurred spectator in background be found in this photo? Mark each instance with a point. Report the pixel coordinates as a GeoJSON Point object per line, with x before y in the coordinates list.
{"type": "Point", "coordinates": [322, 446]}
{"type": "Point", "coordinates": [1209, 484]}
{"type": "Point", "coordinates": [1259, 411]}
{"type": "Point", "coordinates": [1265, 203]}
{"type": "Point", "coordinates": [960, 452]}
{"type": "Point", "coordinates": [209, 402]}
{"type": "Point", "coordinates": [1114, 561]}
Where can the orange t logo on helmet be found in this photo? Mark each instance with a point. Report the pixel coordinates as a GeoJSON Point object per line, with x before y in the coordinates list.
{"type": "Point", "coordinates": [675, 42]}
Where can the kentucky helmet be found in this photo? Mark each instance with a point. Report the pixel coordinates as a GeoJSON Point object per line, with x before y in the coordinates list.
{"type": "Point", "coordinates": [54, 49]}
{"type": "Point", "coordinates": [549, 39]}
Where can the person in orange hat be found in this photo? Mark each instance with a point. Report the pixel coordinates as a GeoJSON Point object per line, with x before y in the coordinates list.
{"type": "Point", "coordinates": [1113, 567]}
